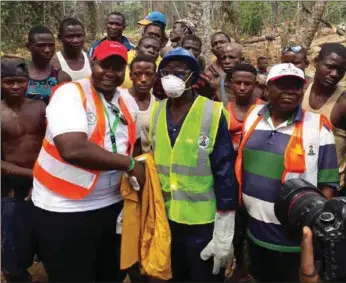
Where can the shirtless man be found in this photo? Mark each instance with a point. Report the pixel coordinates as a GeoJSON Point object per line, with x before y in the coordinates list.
{"type": "Point", "coordinates": [214, 70]}
{"type": "Point", "coordinates": [325, 96]}
{"type": "Point", "coordinates": [22, 132]}
{"type": "Point", "coordinates": [219, 89]}
{"type": "Point", "coordinates": [298, 56]}
{"type": "Point", "coordinates": [72, 59]}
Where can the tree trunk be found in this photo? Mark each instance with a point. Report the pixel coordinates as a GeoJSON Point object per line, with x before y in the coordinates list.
{"type": "Point", "coordinates": [308, 33]}
{"type": "Point", "coordinates": [200, 15]}
{"type": "Point", "coordinates": [92, 19]}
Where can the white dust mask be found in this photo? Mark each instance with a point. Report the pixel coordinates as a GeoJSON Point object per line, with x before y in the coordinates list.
{"type": "Point", "coordinates": [173, 86]}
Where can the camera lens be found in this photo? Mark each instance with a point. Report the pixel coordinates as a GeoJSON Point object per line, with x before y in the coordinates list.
{"type": "Point", "coordinates": [299, 203]}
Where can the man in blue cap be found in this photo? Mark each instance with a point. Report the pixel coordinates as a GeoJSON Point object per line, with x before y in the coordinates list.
{"type": "Point", "coordinates": [115, 26]}
{"type": "Point", "coordinates": [153, 19]}
{"type": "Point", "coordinates": [194, 156]}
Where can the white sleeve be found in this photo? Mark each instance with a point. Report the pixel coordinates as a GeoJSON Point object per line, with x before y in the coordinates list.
{"type": "Point", "coordinates": [65, 112]}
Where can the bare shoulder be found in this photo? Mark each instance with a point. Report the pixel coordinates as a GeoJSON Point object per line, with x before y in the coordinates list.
{"type": "Point", "coordinates": [55, 62]}
{"type": "Point", "coordinates": [342, 99]}
{"type": "Point", "coordinates": [38, 105]}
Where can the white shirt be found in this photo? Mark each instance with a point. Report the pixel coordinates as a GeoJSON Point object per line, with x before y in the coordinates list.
{"type": "Point", "coordinates": [65, 113]}
{"type": "Point", "coordinates": [83, 73]}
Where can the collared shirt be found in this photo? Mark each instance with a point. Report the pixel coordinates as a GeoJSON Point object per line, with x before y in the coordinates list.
{"type": "Point", "coordinates": [129, 46]}
{"type": "Point", "coordinates": [222, 160]}
{"type": "Point", "coordinates": [67, 100]}
{"type": "Point", "coordinates": [263, 166]}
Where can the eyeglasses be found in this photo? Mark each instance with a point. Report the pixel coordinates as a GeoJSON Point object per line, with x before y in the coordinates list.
{"type": "Point", "coordinates": [179, 74]}
{"type": "Point", "coordinates": [293, 48]}
{"type": "Point", "coordinates": [117, 112]}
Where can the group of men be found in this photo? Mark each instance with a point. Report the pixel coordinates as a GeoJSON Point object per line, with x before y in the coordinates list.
{"type": "Point", "coordinates": [223, 141]}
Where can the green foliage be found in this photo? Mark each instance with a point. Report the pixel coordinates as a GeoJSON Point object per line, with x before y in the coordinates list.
{"type": "Point", "coordinates": [252, 17]}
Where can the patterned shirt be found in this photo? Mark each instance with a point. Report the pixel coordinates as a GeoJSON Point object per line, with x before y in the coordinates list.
{"type": "Point", "coordinates": [263, 166]}
{"type": "Point", "coordinates": [41, 89]}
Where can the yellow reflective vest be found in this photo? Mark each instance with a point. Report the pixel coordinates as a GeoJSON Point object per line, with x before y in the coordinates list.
{"type": "Point", "coordinates": [184, 170]}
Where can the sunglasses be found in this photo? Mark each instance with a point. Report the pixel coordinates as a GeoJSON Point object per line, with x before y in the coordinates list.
{"type": "Point", "coordinates": [180, 74]}
{"type": "Point", "coordinates": [117, 112]}
{"type": "Point", "coordinates": [293, 48]}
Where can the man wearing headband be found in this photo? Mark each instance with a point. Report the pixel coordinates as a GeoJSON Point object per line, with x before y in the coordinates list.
{"type": "Point", "coordinates": [22, 132]}
{"type": "Point", "coordinates": [180, 29]}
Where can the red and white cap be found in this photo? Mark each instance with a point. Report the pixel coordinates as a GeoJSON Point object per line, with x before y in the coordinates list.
{"type": "Point", "coordinates": [284, 70]}
{"type": "Point", "coordinates": [110, 48]}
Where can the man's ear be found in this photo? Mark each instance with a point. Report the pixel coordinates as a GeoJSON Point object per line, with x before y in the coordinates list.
{"type": "Point", "coordinates": [315, 62]}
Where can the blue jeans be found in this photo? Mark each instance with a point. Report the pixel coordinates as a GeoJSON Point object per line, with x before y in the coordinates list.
{"type": "Point", "coordinates": [16, 242]}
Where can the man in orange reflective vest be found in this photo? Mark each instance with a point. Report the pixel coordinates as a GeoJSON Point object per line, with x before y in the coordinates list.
{"type": "Point", "coordinates": [281, 141]}
{"type": "Point", "coordinates": [91, 136]}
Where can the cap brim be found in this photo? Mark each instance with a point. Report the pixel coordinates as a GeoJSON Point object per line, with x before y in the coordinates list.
{"type": "Point", "coordinates": [144, 22]}
{"type": "Point", "coordinates": [282, 76]}
{"type": "Point", "coordinates": [103, 56]}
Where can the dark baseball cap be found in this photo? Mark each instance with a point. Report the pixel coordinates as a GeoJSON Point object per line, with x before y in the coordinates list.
{"type": "Point", "coordinates": [13, 67]}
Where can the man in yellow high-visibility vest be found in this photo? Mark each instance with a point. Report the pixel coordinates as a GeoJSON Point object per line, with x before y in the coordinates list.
{"type": "Point", "coordinates": [194, 156]}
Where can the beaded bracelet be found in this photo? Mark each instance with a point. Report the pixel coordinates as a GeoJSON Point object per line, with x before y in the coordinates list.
{"type": "Point", "coordinates": [132, 164]}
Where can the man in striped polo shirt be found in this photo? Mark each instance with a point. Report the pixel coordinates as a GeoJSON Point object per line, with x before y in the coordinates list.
{"type": "Point", "coordinates": [281, 141]}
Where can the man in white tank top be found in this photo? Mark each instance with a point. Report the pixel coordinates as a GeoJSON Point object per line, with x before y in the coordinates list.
{"type": "Point", "coordinates": [72, 60]}
{"type": "Point", "coordinates": [326, 96]}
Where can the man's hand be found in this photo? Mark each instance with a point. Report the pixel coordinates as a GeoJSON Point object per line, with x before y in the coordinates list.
{"type": "Point", "coordinates": [28, 197]}
{"type": "Point", "coordinates": [139, 173]}
{"type": "Point", "coordinates": [307, 264]}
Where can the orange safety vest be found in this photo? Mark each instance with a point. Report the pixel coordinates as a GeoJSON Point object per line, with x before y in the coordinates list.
{"type": "Point", "coordinates": [71, 181]}
{"type": "Point", "coordinates": [294, 157]}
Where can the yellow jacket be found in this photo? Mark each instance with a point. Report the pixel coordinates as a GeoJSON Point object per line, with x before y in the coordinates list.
{"type": "Point", "coordinates": [146, 236]}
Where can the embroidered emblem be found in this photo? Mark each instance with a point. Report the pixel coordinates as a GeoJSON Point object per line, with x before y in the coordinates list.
{"type": "Point", "coordinates": [203, 141]}
{"type": "Point", "coordinates": [311, 151]}
{"type": "Point", "coordinates": [91, 118]}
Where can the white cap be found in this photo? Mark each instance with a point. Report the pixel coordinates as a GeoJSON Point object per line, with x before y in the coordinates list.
{"type": "Point", "coordinates": [284, 70]}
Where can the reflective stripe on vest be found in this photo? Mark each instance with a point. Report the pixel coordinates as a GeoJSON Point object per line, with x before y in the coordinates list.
{"type": "Point", "coordinates": [184, 170]}
{"type": "Point", "coordinates": [201, 169]}
{"type": "Point", "coordinates": [68, 180]}
{"type": "Point", "coordinates": [296, 165]}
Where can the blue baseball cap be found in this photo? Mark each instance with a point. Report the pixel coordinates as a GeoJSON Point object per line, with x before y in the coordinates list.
{"type": "Point", "coordinates": [154, 17]}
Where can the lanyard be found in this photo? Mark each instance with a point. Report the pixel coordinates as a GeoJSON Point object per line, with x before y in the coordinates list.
{"type": "Point", "coordinates": [112, 128]}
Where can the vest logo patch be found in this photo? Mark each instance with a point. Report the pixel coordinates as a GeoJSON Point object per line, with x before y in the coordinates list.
{"type": "Point", "coordinates": [91, 118]}
{"type": "Point", "coordinates": [311, 151]}
{"type": "Point", "coordinates": [203, 141]}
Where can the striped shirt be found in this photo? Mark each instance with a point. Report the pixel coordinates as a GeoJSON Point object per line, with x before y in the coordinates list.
{"type": "Point", "coordinates": [263, 166]}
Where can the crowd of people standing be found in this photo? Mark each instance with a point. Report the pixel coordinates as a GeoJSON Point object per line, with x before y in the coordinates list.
{"type": "Point", "coordinates": [224, 137]}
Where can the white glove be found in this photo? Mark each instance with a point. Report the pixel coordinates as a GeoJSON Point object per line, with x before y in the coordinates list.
{"type": "Point", "coordinates": [220, 246]}
{"type": "Point", "coordinates": [119, 227]}
{"type": "Point", "coordinates": [134, 183]}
